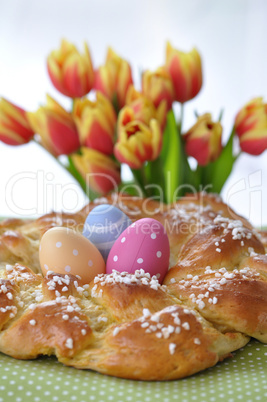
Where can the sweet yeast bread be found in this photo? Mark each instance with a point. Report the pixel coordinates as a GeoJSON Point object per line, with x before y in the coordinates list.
{"type": "Point", "coordinates": [213, 298]}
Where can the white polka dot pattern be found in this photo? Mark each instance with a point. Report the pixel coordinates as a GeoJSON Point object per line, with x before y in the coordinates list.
{"type": "Point", "coordinates": [66, 251]}
{"type": "Point", "coordinates": [67, 268]}
{"type": "Point", "coordinates": [142, 245]}
{"type": "Point", "coordinates": [241, 378]}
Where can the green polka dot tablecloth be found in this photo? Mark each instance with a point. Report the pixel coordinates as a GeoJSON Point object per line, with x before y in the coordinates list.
{"type": "Point", "coordinates": [241, 378]}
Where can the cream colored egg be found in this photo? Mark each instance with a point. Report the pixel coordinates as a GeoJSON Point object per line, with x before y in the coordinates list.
{"type": "Point", "coordinates": [66, 251]}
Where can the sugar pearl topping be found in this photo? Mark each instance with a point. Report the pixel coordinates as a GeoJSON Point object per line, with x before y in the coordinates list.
{"type": "Point", "coordinates": [213, 281]}
{"type": "Point", "coordinates": [139, 277]}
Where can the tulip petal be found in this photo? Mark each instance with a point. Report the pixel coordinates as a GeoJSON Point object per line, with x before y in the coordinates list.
{"type": "Point", "coordinates": [103, 82]}
{"type": "Point", "coordinates": [11, 139]}
{"type": "Point", "coordinates": [101, 172]}
{"type": "Point", "coordinates": [252, 116]}
{"type": "Point", "coordinates": [55, 75]}
{"type": "Point", "coordinates": [108, 109]}
{"type": "Point", "coordinates": [99, 139]}
{"type": "Point", "coordinates": [251, 127]}
{"type": "Point", "coordinates": [71, 72]}
{"type": "Point", "coordinates": [114, 78]}
{"type": "Point", "coordinates": [95, 122]}
{"type": "Point", "coordinates": [74, 76]}
{"type": "Point", "coordinates": [254, 142]}
{"type": "Point", "coordinates": [62, 137]}
{"type": "Point", "coordinates": [56, 128]}
{"type": "Point", "coordinates": [137, 142]}
{"type": "Point", "coordinates": [203, 140]}
{"type": "Point", "coordinates": [15, 128]}
{"type": "Point", "coordinates": [158, 86]}
{"type": "Point", "coordinates": [124, 155]}
{"type": "Point", "coordinates": [198, 148]}
{"type": "Point", "coordinates": [186, 72]}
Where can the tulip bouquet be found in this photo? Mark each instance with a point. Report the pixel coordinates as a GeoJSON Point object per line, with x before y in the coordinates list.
{"type": "Point", "coordinates": [111, 124]}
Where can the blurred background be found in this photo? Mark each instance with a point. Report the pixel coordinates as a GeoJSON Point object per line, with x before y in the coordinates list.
{"type": "Point", "coordinates": [229, 34]}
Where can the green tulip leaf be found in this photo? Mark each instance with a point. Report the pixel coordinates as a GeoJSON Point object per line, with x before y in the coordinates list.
{"type": "Point", "coordinates": [171, 156]}
{"type": "Point", "coordinates": [129, 187]}
{"type": "Point", "coordinates": [155, 177]}
{"type": "Point", "coordinates": [219, 170]}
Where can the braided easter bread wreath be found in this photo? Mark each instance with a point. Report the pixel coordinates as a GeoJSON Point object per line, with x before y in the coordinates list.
{"type": "Point", "coordinates": [212, 300]}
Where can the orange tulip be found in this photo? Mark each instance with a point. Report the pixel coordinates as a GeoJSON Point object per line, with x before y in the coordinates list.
{"type": "Point", "coordinates": [114, 78]}
{"type": "Point", "coordinates": [137, 142]}
{"type": "Point", "coordinates": [203, 140]}
{"type": "Point", "coordinates": [100, 172]}
{"type": "Point", "coordinates": [15, 128]}
{"type": "Point", "coordinates": [71, 72]}
{"type": "Point", "coordinates": [56, 128]}
{"type": "Point", "coordinates": [157, 86]}
{"type": "Point", "coordinates": [143, 108]}
{"type": "Point", "coordinates": [251, 127]}
{"type": "Point", "coordinates": [186, 72]}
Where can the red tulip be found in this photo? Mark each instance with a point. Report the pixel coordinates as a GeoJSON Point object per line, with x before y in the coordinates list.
{"type": "Point", "coordinates": [251, 127]}
{"type": "Point", "coordinates": [56, 128]}
{"type": "Point", "coordinates": [157, 86]}
{"type": "Point", "coordinates": [100, 172]}
{"type": "Point", "coordinates": [71, 73]}
{"type": "Point", "coordinates": [96, 123]}
{"type": "Point", "coordinates": [114, 78]}
{"type": "Point", "coordinates": [186, 72]}
{"type": "Point", "coordinates": [15, 128]}
{"type": "Point", "coordinates": [144, 109]}
{"type": "Point", "coordinates": [203, 140]}
{"type": "Point", "coordinates": [137, 142]}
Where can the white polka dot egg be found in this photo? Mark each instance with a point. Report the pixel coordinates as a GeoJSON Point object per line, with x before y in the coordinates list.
{"type": "Point", "coordinates": [66, 251]}
{"type": "Point", "coordinates": [144, 244]}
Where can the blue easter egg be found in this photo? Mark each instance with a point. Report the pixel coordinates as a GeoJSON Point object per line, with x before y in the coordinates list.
{"type": "Point", "coordinates": [103, 226]}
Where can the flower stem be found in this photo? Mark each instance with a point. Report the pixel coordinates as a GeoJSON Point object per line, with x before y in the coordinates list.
{"type": "Point", "coordinates": [73, 171]}
{"type": "Point", "coordinates": [155, 180]}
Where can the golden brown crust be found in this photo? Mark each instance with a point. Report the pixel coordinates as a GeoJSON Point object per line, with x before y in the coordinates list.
{"type": "Point", "coordinates": [232, 301]}
{"type": "Point", "coordinates": [169, 344]}
{"type": "Point", "coordinates": [263, 237]}
{"type": "Point", "coordinates": [49, 328]}
{"type": "Point", "coordinates": [213, 299]}
{"type": "Point", "coordinates": [8, 301]}
{"type": "Point", "coordinates": [126, 301]}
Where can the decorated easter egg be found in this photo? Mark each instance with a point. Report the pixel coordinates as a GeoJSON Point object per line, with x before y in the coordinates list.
{"type": "Point", "coordinates": [144, 244]}
{"type": "Point", "coordinates": [103, 226]}
{"type": "Point", "coordinates": [66, 251]}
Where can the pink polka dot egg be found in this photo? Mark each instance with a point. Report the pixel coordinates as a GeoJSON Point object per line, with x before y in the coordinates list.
{"type": "Point", "coordinates": [66, 251]}
{"type": "Point", "coordinates": [143, 245]}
